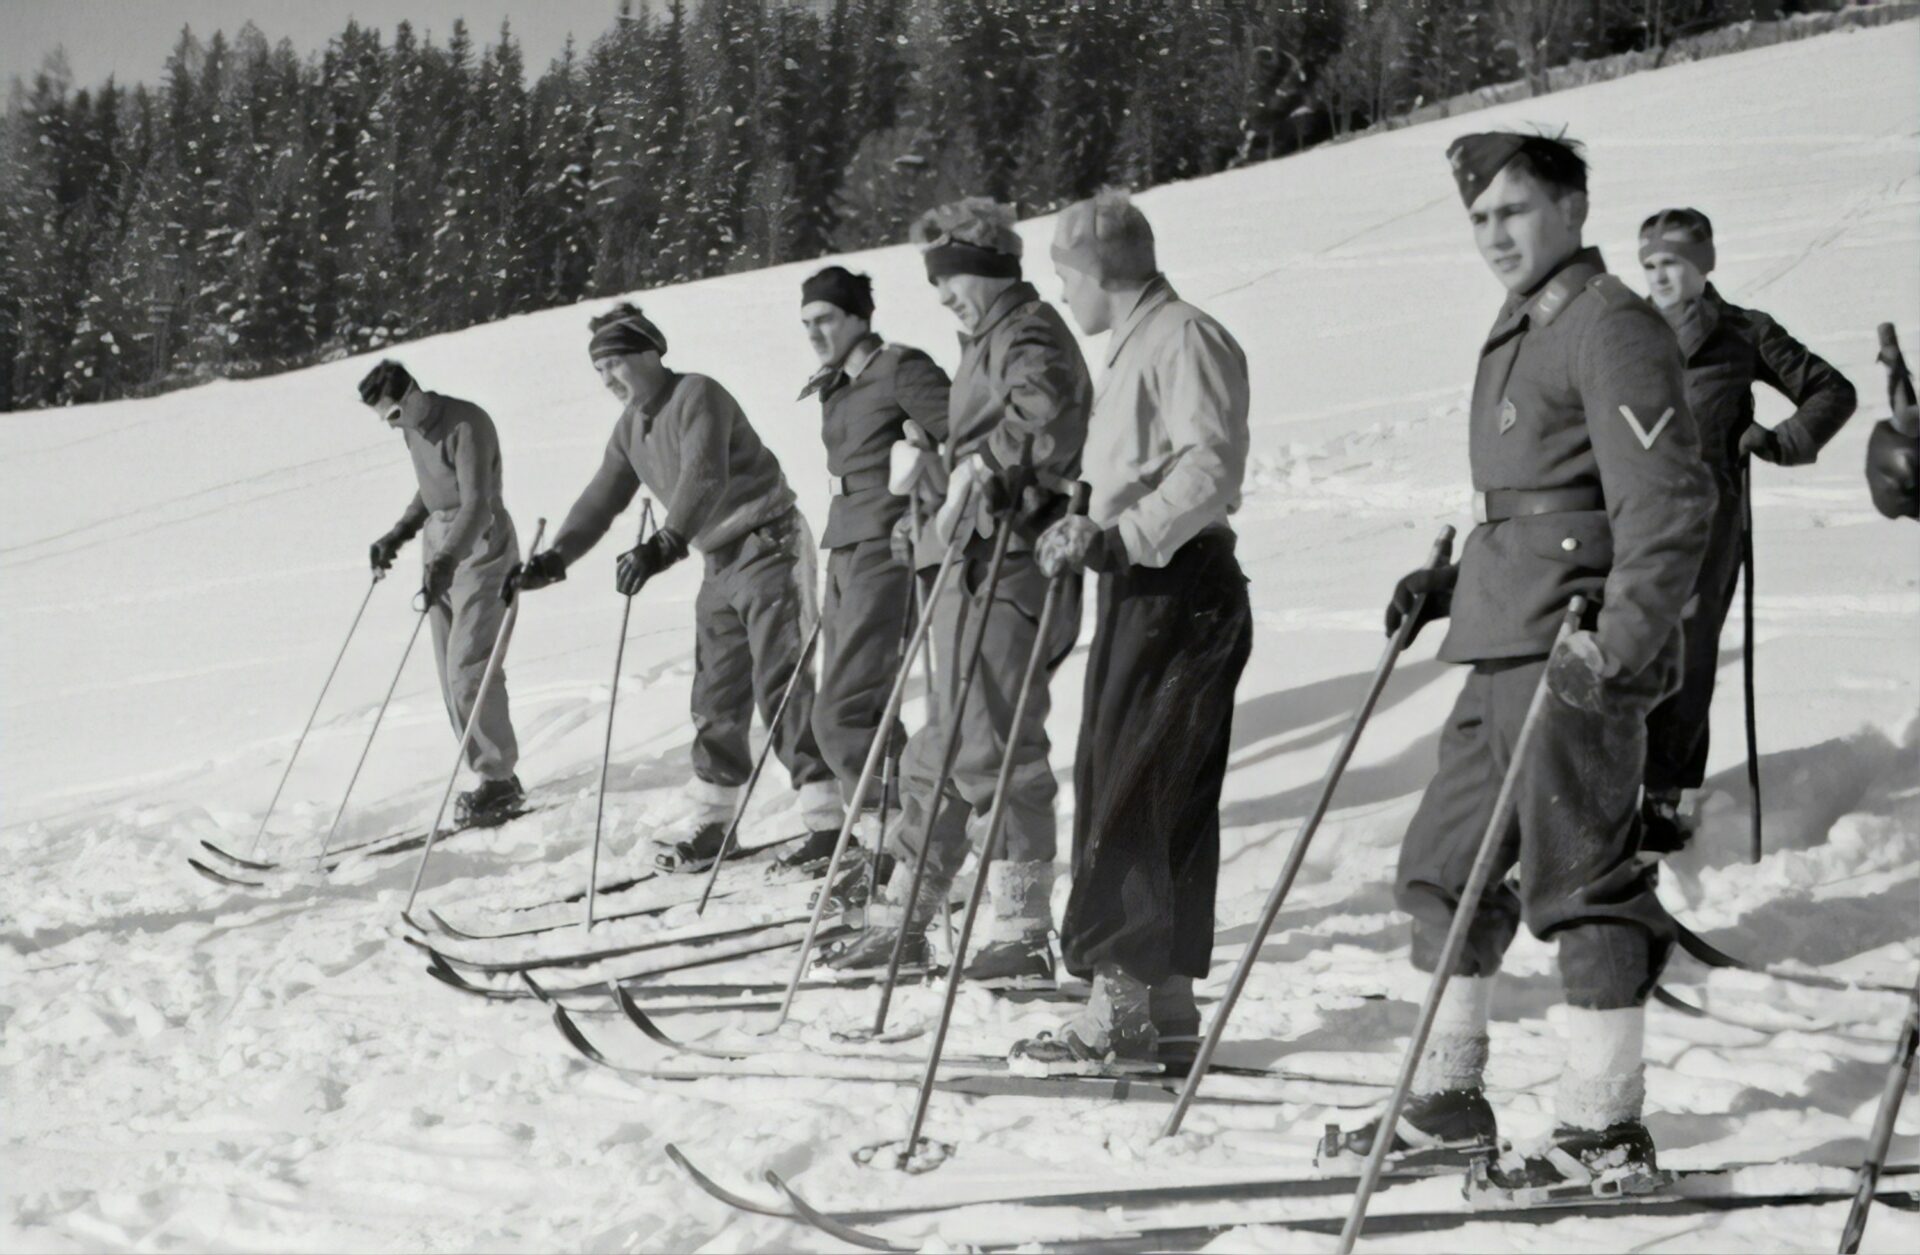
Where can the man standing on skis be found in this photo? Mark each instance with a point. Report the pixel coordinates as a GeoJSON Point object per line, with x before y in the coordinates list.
{"type": "Point", "coordinates": [869, 391]}
{"type": "Point", "coordinates": [1166, 452]}
{"type": "Point", "coordinates": [470, 547]}
{"type": "Point", "coordinates": [1588, 481]}
{"type": "Point", "coordinates": [685, 438]}
{"type": "Point", "coordinates": [1021, 390]}
{"type": "Point", "coordinates": [1728, 349]}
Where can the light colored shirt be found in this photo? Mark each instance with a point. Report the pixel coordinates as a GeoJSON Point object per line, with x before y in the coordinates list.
{"type": "Point", "coordinates": [1167, 445]}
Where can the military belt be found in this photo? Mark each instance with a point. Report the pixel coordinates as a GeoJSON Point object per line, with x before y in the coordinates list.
{"type": "Point", "coordinates": [859, 481]}
{"type": "Point", "coordinates": [1502, 504]}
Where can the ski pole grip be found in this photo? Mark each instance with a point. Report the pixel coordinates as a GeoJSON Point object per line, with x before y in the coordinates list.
{"type": "Point", "coordinates": [1889, 342]}
{"type": "Point", "coordinates": [1570, 622]}
{"type": "Point", "coordinates": [1442, 547]}
{"type": "Point", "coordinates": [1082, 497]}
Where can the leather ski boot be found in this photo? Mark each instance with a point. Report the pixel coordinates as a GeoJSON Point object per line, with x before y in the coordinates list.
{"type": "Point", "coordinates": [1663, 829]}
{"type": "Point", "coordinates": [1017, 951]}
{"type": "Point", "coordinates": [1450, 1126]}
{"type": "Point", "coordinates": [696, 853]}
{"type": "Point", "coordinates": [808, 857]}
{"type": "Point", "coordinates": [494, 802]}
{"type": "Point", "coordinates": [1113, 1036]}
{"type": "Point", "coordinates": [872, 948]}
{"type": "Point", "coordinates": [1616, 1160]}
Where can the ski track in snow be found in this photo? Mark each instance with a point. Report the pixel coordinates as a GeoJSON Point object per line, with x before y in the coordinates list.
{"type": "Point", "coordinates": [190, 1068]}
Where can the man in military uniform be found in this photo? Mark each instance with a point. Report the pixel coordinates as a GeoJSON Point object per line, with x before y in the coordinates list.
{"type": "Point", "coordinates": [1588, 481]}
{"type": "Point", "coordinates": [469, 548]}
{"type": "Point", "coordinates": [1022, 387]}
{"type": "Point", "coordinates": [869, 391]}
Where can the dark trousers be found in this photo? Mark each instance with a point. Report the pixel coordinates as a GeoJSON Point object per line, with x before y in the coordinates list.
{"type": "Point", "coordinates": [1574, 834]}
{"type": "Point", "coordinates": [751, 618]}
{"type": "Point", "coordinates": [1157, 720]}
{"type": "Point", "coordinates": [861, 619]}
{"type": "Point", "coordinates": [1678, 727]}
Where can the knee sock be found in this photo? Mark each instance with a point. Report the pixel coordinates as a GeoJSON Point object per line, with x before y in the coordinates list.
{"type": "Point", "coordinates": [1456, 1053]}
{"type": "Point", "coordinates": [1604, 1083]}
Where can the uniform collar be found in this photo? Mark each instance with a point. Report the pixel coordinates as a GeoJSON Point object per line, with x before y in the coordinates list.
{"type": "Point", "coordinates": [1157, 293]}
{"type": "Point", "coordinates": [1020, 293]}
{"type": "Point", "coordinates": [1545, 302]}
{"type": "Point", "coordinates": [860, 355]}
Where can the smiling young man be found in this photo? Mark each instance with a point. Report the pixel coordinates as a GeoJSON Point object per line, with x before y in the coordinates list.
{"type": "Point", "coordinates": [869, 391]}
{"type": "Point", "coordinates": [1021, 387]}
{"type": "Point", "coordinates": [470, 547]}
{"type": "Point", "coordinates": [1728, 350]}
{"type": "Point", "coordinates": [685, 438]}
{"type": "Point", "coordinates": [1588, 481]}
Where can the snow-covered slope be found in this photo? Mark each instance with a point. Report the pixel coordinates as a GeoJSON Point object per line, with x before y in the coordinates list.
{"type": "Point", "coordinates": [185, 1068]}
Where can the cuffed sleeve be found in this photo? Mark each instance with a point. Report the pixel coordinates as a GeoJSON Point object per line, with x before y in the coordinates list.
{"type": "Point", "coordinates": [1824, 397]}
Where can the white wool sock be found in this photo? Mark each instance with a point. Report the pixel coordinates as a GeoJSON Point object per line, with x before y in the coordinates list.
{"type": "Point", "coordinates": [1605, 1078]}
{"type": "Point", "coordinates": [1456, 1052]}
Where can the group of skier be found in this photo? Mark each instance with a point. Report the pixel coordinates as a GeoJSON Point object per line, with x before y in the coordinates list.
{"type": "Point", "coordinates": [1608, 437]}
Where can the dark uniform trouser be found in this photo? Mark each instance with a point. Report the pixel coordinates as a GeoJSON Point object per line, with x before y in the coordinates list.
{"type": "Point", "coordinates": [861, 619]}
{"type": "Point", "coordinates": [465, 624]}
{"type": "Point", "coordinates": [751, 619]}
{"type": "Point", "coordinates": [1012, 623]}
{"type": "Point", "coordinates": [1574, 834]}
{"type": "Point", "coordinates": [1678, 727]}
{"type": "Point", "coordinates": [1167, 654]}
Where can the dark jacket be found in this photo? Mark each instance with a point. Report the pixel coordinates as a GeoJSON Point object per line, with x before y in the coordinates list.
{"type": "Point", "coordinates": [1728, 350]}
{"type": "Point", "coordinates": [861, 417]}
{"type": "Point", "coordinates": [693, 448]}
{"type": "Point", "coordinates": [1579, 386]}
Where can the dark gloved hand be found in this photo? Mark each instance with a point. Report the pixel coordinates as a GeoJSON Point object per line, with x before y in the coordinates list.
{"type": "Point", "coordinates": [384, 550]}
{"type": "Point", "coordinates": [440, 576]}
{"type": "Point", "coordinates": [1076, 543]}
{"type": "Point", "coordinates": [535, 573]}
{"type": "Point", "coordinates": [647, 559]}
{"type": "Point", "coordinates": [1437, 583]}
{"type": "Point", "coordinates": [1006, 490]}
{"type": "Point", "coordinates": [1760, 441]}
{"type": "Point", "coordinates": [901, 541]}
{"type": "Point", "coordinates": [1578, 671]}
{"type": "Point", "coordinates": [1893, 471]}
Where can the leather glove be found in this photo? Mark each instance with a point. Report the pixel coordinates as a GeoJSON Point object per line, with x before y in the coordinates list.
{"type": "Point", "coordinates": [1076, 543]}
{"type": "Point", "coordinates": [1760, 441]}
{"type": "Point", "coordinates": [440, 576]}
{"type": "Point", "coordinates": [384, 550]}
{"type": "Point", "coordinates": [647, 559]}
{"type": "Point", "coordinates": [1437, 583]}
{"type": "Point", "coordinates": [1893, 471]}
{"type": "Point", "coordinates": [901, 541]}
{"type": "Point", "coordinates": [535, 573]}
{"type": "Point", "coordinates": [1578, 671]}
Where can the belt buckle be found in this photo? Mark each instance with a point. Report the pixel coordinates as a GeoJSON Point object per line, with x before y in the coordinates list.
{"type": "Point", "coordinates": [1479, 507]}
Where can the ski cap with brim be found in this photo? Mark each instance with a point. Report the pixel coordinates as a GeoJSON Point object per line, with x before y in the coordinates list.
{"type": "Point", "coordinates": [1686, 233]}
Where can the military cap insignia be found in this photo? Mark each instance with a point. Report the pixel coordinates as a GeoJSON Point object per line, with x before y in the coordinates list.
{"type": "Point", "coordinates": [1645, 437]}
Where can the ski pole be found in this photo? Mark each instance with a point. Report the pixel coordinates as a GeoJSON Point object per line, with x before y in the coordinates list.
{"type": "Point", "coordinates": [914, 611]}
{"type": "Point", "coordinates": [606, 751]}
{"type": "Point", "coordinates": [1898, 1074]}
{"type": "Point", "coordinates": [1438, 557]}
{"type": "Point", "coordinates": [419, 621]}
{"type": "Point", "coordinates": [874, 751]}
{"type": "Point", "coordinates": [1746, 660]}
{"type": "Point", "coordinates": [332, 671]}
{"type": "Point", "coordinates": [950, 750]}
{"type": "Point", "coordinates": [1904, 413]}
{"type": "Point", "coordinates": [746, 794]}
{"type": "Point", "coordinates": [996, 825]}
{"type": "Point", "coordinates": [1463, 913]}
{"type": "Point", "coordinates": [494, 660]}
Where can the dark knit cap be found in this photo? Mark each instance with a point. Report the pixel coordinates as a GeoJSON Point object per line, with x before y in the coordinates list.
{"type": "Point", "coordinates": [1477, 158]}
{"type": "Point", "coordinates": [389, 381]}
{"type": "Point", "coordinates": [623, 330]}
{"type": "Point", "coordinates": [1686, 233]}
{"type": "Point", "coordinates": [838, 286]}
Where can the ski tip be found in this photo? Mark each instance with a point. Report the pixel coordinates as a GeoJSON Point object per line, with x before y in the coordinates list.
{"type": "Point", "coordinates": [406, 917]}
{"type": "Point", "coordinates": [440, 922]}
{"type": "Point", "coordinates": [533, 987]}
{"type": "Point", "coordinates": [219, 878]}
{"type": "Point", "coordinates": [575, 1038]}
{"type": "Point", "coordinates": [715, 1190]}
{"type": "Point", "coordinates": [830, 1225]}
{"type": "Point", "coordinates": [230, 857]}
{"type": "Point", "coordinates": [640, 1019]}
